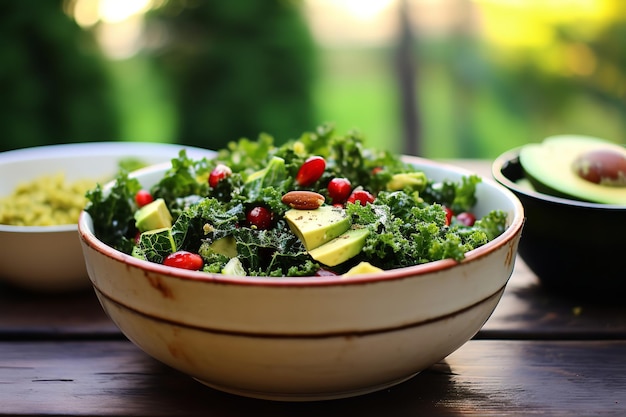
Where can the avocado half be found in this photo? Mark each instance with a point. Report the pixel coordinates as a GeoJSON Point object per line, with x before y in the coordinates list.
{"type": "Point", "coordinates": [551, 168]}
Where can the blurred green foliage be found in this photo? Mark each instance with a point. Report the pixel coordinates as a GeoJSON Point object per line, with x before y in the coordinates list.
{"type": "Point", "coordinates": [54, 86]}
{"type": "Point", "coordinates": [215, 71]}
{"type": "Point", "coordinates": [480, 98]}
{"type": "Point", "coordinates": [236, 68]}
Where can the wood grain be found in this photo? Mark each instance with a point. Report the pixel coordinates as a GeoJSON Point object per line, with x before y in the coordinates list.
{"type": "Point", "coordinates": [483, 378]}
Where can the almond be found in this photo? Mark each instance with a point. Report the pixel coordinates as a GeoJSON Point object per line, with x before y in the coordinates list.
{"type": "Point", "coordinates": [303, 200]}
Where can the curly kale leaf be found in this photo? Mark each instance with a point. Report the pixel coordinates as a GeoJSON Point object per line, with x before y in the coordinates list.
{"type": "Point", "coordinates": [458, 196]}
{"type": "Point", "coordinates": [274, 175]}
{"type": "Point", "coordinates": [493, 224]}
{"type": "Point", "coordinates": [182, 180]}
{"type": "Point", "coordinates": [112, 214]}
{"type": "Point", "coordinates": [247, 156]}
{"type": "Point", "coordinates": [400, 203]}
{"type": "Point", "coordinates": [406, 232]}
{"type": "Point", "coordinates": [207, 220]}
{"type": "Point", "coordinates": [273, 252]}
{"type": "Point", "coordinates": [155, 246]}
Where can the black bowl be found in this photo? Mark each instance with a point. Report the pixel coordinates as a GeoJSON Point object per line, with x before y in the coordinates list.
{"type": "Point", "coordinates": [573, 247]}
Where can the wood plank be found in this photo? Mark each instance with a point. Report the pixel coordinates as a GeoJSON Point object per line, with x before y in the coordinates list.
{"type": "Point", "coordinates": [528, 311]}
{"type": "Point", "coordinates": [28, 315]}
{"type": "Point", "coordinates": [555, 378]}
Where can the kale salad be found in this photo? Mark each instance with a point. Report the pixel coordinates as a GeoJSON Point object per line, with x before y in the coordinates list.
{"type": "Point", "coordinates": [321, 204]}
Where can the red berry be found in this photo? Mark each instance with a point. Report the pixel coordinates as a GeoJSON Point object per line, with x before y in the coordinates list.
{"type": "Point", "coordinates": [361, 196]}
{"type": "Point", "coordinates": [466, 218]}
{"type": "Point", "coordinates": [339, 190]}
{"type": "Point", "coordinates": [185, 260]}
{"type": "Point", "coordinates": [260, 217]}
{"type": "Point", "coordinates": [311, 171]}
{"type": "Point", "coordinates": [449, 214]}
{"type": "Point", "coordinates": [143, 197]}
{"type": "Point", "coordinates": [218, 173]}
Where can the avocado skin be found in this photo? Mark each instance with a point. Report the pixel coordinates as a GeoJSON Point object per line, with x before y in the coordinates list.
{"type": "Point", "coordinates": [549, 168]}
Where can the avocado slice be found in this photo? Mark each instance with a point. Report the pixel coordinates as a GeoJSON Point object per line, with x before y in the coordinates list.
{"type": "Point", "coordinates": [154, 215]}
{"type": "Point", "coordinates": [316, 227]}
{"type": "Point", "coordinates": [558, 165]}
{"type": "Point", "coordinates": [340, 249]}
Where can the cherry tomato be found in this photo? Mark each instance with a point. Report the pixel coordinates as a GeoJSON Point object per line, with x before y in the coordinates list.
{"type": "Point", "coordinates": [311, 171]}
{"type": "Point", "coordinates": [218, 173]}
{"type": "Point", "coordinates": [260, 217]}
{"type": "Point", "coordinates": [143, 197]}
{"type": "Point", "coordinates": [449, 214]}
{"type": "Point", "coordinates": [361, 196]}
{"type": "Point", "coordinates": [185, 260]}
{"type": "Point", "coordinates": [339, 190]}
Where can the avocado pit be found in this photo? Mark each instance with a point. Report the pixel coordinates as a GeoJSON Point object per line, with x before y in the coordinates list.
{"type": "Point", "coordinates": [602, 166]}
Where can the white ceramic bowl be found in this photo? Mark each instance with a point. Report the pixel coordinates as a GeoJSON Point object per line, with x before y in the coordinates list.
{"type": "Point", "coordinates": [49, 258]}
{"type": "Point", "coordinates": [307, 338]}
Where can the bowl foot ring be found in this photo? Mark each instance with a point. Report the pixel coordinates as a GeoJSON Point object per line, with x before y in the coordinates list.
{"type": "Point", "coordinates": [299, 396]}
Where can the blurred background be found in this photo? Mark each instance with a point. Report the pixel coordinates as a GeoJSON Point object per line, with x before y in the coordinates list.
{"type": "Point", "coordinates": [437, 78]}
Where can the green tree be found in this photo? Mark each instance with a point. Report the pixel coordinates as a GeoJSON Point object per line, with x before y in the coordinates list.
{"type": "Point", "coordinates": [237, 68]}
{"type": "Point", "coordinates": [54, 84]}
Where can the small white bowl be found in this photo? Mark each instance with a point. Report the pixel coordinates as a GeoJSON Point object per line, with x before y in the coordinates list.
{"type": "Point", "coordinates": [306, 338]}
{"type": "Point", "coordinates": [49, 258]}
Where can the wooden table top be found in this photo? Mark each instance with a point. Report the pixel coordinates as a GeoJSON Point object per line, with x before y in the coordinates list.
{"type": "Point", "coordinates": [539, 354]}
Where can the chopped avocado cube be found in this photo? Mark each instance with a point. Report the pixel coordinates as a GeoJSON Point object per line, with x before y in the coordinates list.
{"type": "Point", "coordinates": [316, 227]}
{"type": "Point", "coordinates": [157, 244]}
{"type": "Point", "coordinates": [154, 215]}
{"type": "Point", "coordinates": [415, 181]}
{"type": "Point", "coordinates": [234, 267]}
{"type": "Point", "coordinates": [226, 246]}
{"type": "Point", "coordinates": [341, 248]}
{"type": "Point", "coordinates": [362, 268]}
